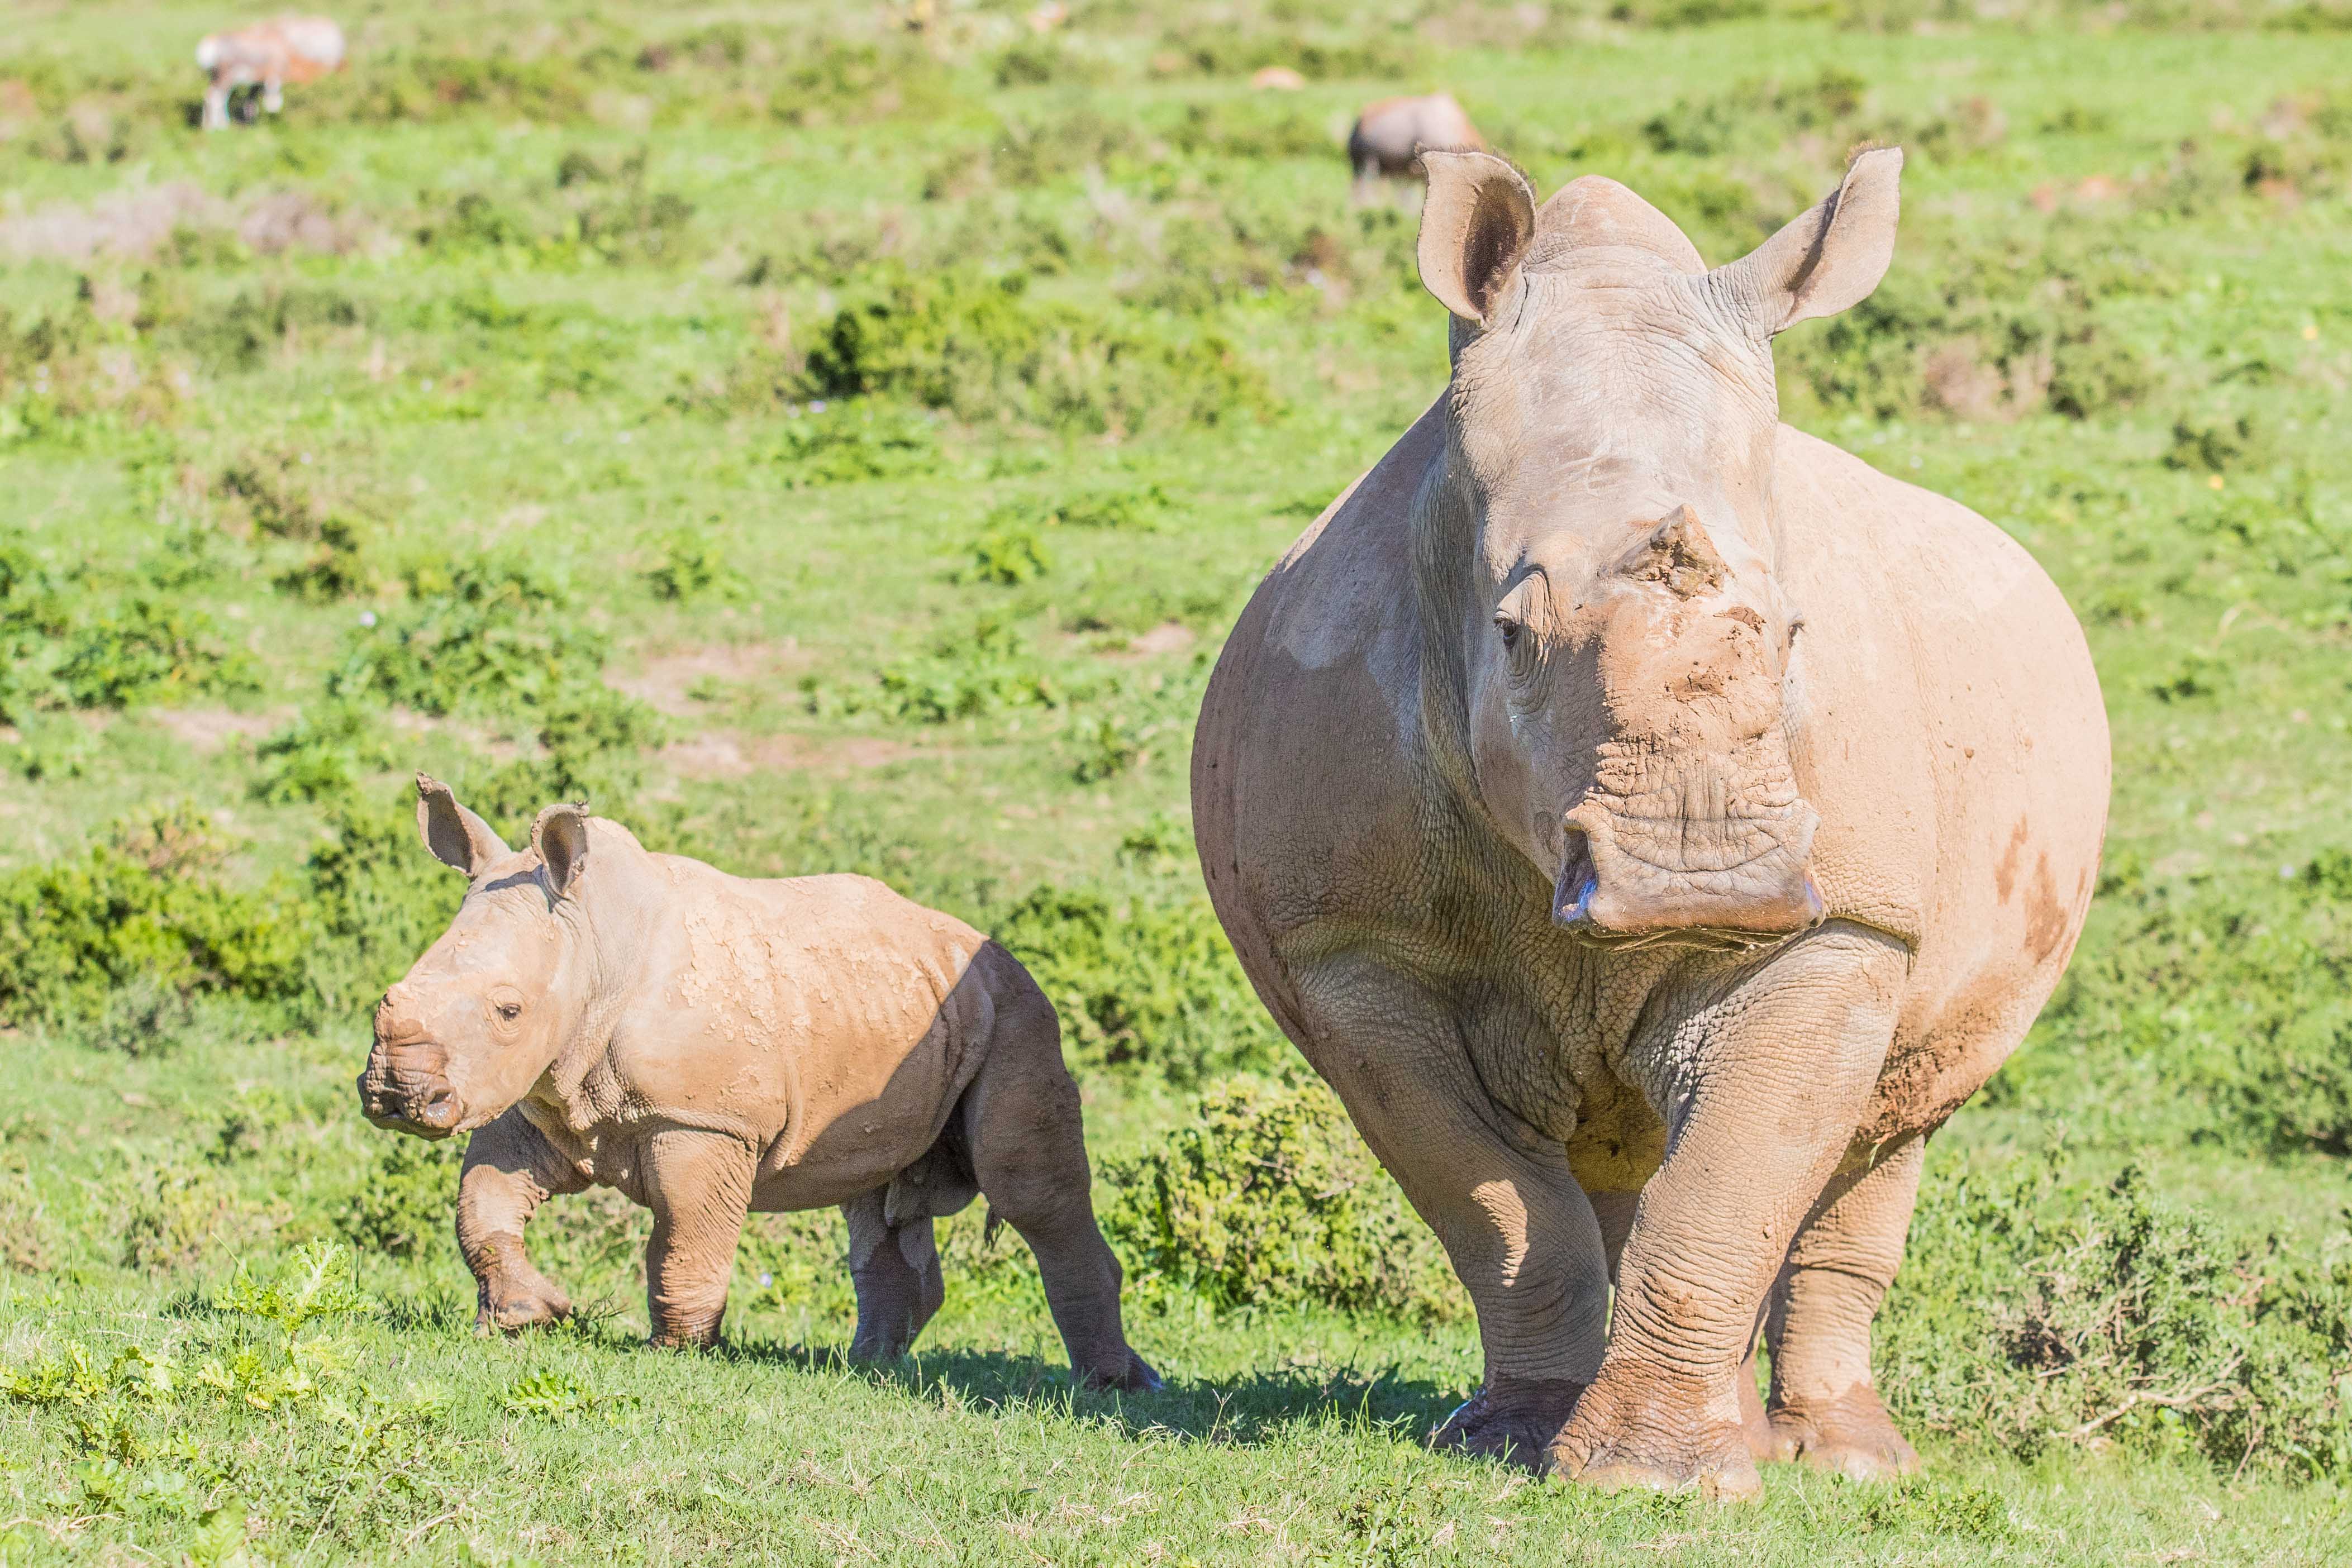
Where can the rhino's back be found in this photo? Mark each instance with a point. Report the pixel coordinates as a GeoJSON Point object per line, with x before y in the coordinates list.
{"type": "Point", "coordinates": [839, 1020]}
{"type": "Point", "coordinates": [1306, 763]}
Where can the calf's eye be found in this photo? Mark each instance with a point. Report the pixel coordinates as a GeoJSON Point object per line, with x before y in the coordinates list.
{"type": "Point", "coordinates": [509, 1010]}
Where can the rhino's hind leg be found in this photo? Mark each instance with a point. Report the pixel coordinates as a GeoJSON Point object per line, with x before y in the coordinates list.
{"type": "Point", "coordinates": [1825, 1409]}
{"type": "Point", "coordinates": [1794, 1048]}
{"type": "Point", "coordinates": [1023, 1124]}
{"type": "Point", "coordinates": [896, 1268]}
{"type": "Point", "coordinates": [509, 1171]}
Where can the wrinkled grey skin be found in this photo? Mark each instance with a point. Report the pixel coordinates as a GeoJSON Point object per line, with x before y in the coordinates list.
{"type": "Point", "coordinates": [1654, 822]}
{"type": "Point", "coordinates": [713, 1046]}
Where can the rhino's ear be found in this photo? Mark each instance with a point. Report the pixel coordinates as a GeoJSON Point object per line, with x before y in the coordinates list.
{"type": "Point", "coordinates": [457, 837]}
{"type": "Point", "coordinates": [561, 837]}
{"type": "Point", "coordinates": [1474, 227]}
{"type": "Point", "coordinates": [1825, 261]}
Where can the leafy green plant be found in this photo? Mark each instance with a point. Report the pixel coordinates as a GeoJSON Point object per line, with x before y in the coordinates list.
{"type": "Point", "coordinates": [2111, 1315]}
{"type": "Point", "coordinates": [320, 753]}
{"type": "Point", "coordinates": [314, 1282]}
{"type": "Point", "coordinates": [1144, 984]}
{"type": "Point", "coordinates": [1006, 558]}
{"type": "Point", "coordinates": [1268, 1196]}
{"type": "Point", "coordinates": [407, 1195]}
{"type": "Point", "coordinates": [493, 636]}
{"type": "Point", "coordinates": [560, 1398]}
{"type": "Point", "coordinates": [959, 340]}
{"type": "Point", "coordinates": [690, 567]}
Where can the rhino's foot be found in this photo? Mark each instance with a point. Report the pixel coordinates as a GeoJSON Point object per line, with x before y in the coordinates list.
{"type": "Point", "coordinates": [1132, 1377]}
{"type": "Point", "coordinates": [518, 1299]}
{"type": "Point", "coordinates": [1850, 1436]}
{"type": "Point", "coordinates": [1512, 1418]}
{"type": "Point", "coordinates": [1619, 1440]}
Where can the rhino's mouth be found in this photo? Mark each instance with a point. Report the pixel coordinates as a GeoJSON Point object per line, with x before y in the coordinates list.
{"type": "Point", "coordinates": [1707, 852]}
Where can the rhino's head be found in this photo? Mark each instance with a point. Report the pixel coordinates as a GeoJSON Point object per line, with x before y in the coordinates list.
{"type": "Point", "coordinates": [489, 1006]}
{"type": "Point", "coordinates": [1604, 524]}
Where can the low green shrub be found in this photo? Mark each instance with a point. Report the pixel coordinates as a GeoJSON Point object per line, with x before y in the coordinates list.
{"type": "Point", "coordinates": [1998, 330]}
{"type": "Point", "coordinates": [406, 1197]}
{"type": "Point", "coordinates": [1141, 984]}
{"type": "Point", "coordinates": [487, 635]}
{"type": "Point", "coordinates": [691, 566]}
{"type": "Point", "coordinates": [2038, 1309]}
{"type": "Point", "coordinates": [1006, 558]}
{"type": "Point", "coordinates": [957, 339]}
{"type": "Point", "coordinates": [1268, 1197]}
{"type": "Point", "coordinates": [321, 753]}
{"type": "Point", "coordinates": [2225, 1005]}
{"type": "Point", "coordinates": [75, 932]}
{"type": "Point", "coordinates": [853, 443]}
{"type": "Point", "coordinates": [984, 669]}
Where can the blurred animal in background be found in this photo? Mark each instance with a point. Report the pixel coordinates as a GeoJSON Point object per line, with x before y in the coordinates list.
{"type": "Point", "coordinates": [1389, 137]}
{"type": "Point", "coordinates": [265, 57]}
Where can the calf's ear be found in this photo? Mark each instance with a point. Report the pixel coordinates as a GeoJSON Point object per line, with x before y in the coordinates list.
{"type": "Point", "coordinates": [457, 837]}
{"type": "Point", "coordinates": [1828, 259]}
{"type": "Point", "coordinates": [1475, 225]}
{"type": "Point", "coordinates": [561, 837]}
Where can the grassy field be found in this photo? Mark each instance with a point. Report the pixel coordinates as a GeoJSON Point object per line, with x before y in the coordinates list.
{"type": "Point", "coordinates": [838, 440]}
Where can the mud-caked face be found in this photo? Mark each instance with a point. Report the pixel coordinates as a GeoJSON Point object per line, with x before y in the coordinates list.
{"type": "Point", "coordinates": [1629, 732]}
{"type": "Point", "coordinates": [471, 1029]}
{"type": "Point", "coordinates": [1626, 651]}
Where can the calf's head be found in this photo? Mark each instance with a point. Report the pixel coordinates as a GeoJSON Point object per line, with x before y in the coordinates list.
{"type": "Point", "coordinates": [488, 1007]}
{"type": "Point", "coordinates": [1609, 627]}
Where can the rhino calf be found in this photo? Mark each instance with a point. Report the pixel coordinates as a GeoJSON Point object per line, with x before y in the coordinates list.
{"type": "Point", "coordinates": [711, 1045]}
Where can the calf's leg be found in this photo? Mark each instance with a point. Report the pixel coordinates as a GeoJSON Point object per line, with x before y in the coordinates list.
{"type": "Point", "coordinates": [896, 1268]}
{"type": "Point", "coordinates": [509, 1171]}
{"type": "Point", "coordinates": [1028, 1143]}
{"type": "Point", "coordinates": [1825, 1409]}
{"type": "Point", "coordinates": [1763, 1085]}
{"type": "Point", "coordinates": [699, 1185]}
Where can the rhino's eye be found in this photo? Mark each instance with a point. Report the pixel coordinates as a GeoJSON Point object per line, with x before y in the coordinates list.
{"type": "Point", "coordinates": [509, 1010]}
{"type": "Point", "coordinates": [1511, 627]}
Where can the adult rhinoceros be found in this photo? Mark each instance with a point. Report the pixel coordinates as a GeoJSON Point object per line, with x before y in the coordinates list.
{"type": "Point", "coordinates": [1654, 822]}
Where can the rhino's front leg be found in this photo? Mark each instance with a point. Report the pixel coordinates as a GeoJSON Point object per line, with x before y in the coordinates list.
{"type": "Point", "coordinates": [699, 1185]}
{"type": "Point", "coordinates": [1767, 1082]}
{"type": "Point", "coordinates": [509, 1171]}
{"type": "Point", "coordinates": [1825, 1410]}
{"type": "Point", "coordinates": [1518, 1228]}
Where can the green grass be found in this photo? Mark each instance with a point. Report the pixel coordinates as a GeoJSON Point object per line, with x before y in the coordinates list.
{"type": "Point", "coordinates": [839, 446]}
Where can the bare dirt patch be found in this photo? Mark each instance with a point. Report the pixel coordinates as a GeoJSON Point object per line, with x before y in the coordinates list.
{"type": "Point", "coordinates": [665, 680]}
{"type": "Point", "coordinates": [210, 728]}
{"type": "Point", "coordinates": [1168, 637]}
{"type": "Point", "coordinates": [722, 754]}
{"type": "Point", "coordinates": [134, 222]}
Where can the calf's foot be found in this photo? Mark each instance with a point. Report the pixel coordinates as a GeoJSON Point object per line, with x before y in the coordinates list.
{"type": "Point", "coordinates": [1625, 1438]}
{"type": "Point", "coordinates": [518, 1296]}
{"type": "Point", "coordinates": [1850, 1436]}
{"type": "Point", "coordinates": [1513, 1418]}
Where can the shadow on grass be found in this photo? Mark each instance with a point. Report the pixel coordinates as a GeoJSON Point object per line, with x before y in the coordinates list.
{"type": "Point", "coordinates": [1249, 1411]}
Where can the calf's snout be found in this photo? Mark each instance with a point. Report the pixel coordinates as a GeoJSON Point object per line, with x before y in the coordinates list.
{"type": "Point", "coordinates": [406, 1085]}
